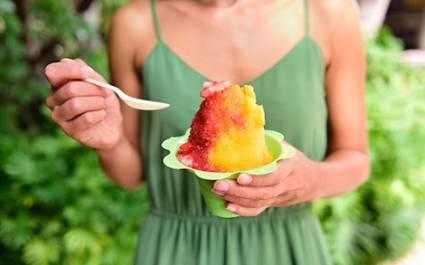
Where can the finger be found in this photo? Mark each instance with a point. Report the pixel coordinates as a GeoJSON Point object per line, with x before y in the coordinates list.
{"type": "Point", "coordinates": [247, 202]}
{"type": "Point", "coordinates": [94, 75]}
{"type": "Point", "coordinates": [258, 180]}
{"type": "Point", "coordinates": [77, 106]}
{"type": "Point", "coordinates": [66, 70]}
{"type": "Point", "coordinates": [74, 61]}
{"type": "Point", "coordinates": [83, 122]}
{"type": "Point", "coordinates": [49, 102]}
{"type": "Point", "coordinates": [287, 199]}
{"type": "Point", "coordinates": [67, 60]}
{"type": "Point", "coordinates": [229, 187]}
{"type": "Point", "coordinates": [91, 73]}
{"type": "Point", "coordinates": [80, 61]}
{"type": "Point", "coordinates": [74, 89]}
{"type": "Point", "coordinates": [62, 72]}
{"type": "Point", "coordinates": [285, 168]}
{"type": "Point", "coordinates": [244, 211]}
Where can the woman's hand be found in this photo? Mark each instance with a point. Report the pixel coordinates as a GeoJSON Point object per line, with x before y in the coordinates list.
{"type": "Point", "coordinates": [295, 181]}
{"type": "Point", "coordinates": [87, 113]}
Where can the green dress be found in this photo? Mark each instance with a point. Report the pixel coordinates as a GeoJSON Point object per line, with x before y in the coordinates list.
{"type": "Point", "coordinates": [178, 228]}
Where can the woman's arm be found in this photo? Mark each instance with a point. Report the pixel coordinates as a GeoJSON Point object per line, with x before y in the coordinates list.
{"type": "Point", "coordinates": [94, 116]}
{"type": "Point", "coordinates": [123, 162]}
{"type": "Point", "coordinates": [300, 179]}
{"type": "Point", "coordinates": [347, 165]}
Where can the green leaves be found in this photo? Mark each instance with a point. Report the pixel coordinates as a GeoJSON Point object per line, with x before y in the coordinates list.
{"type": "Point", "coordinates": [58, 208]}
{"type": "Point", "coordinates": [400, 227]}
{"type": "Point", "coordinates": [41, 252]}
{"type": "Point", "coordinates": [21, 166]}
{"type": "Point", "coordinates": [59, 203]}
{"type": "Point", "coordinates": [56, 205]}
{"type": "Point", "coordinates": [16, 231]}
{"type": "Point", "coordinates": [78, 241]}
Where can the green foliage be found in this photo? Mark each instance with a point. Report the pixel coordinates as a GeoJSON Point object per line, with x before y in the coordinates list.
{"type": "Point", "coordinates": [381, 220]}
{"type": "Point", "coordinates": [57, 207]}
{"type": "Point", "coordinates": [56, 202]}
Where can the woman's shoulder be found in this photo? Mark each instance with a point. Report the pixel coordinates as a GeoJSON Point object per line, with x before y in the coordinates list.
{"type": "Point", "coordinates": [336, 15]}
{"type": "Point", "coordinates": [132, 28]}
{"type": "Point", "coordinates": [334, 10]}
{"type": "Point", "coordinates": [334, 6]}
{"type": "Point", "coordinates": [133, 16]}
{"type": "Point", "coordinates": [335, 22]}
{"type": "Point", "coordinates": [133, 21]}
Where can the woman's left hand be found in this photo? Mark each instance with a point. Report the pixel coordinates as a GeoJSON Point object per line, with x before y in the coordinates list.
{"type": "Point", "coordinates": [295, 181]}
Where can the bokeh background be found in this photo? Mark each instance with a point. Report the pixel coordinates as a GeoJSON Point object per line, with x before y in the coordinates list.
{"type": "Point", "coordinates": [57, 207]}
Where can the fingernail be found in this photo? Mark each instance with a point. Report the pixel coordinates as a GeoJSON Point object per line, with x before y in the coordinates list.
{"type": "Point", "coordinates": [86, 70]}
{"type": "Point", "coordinates": [221, 186]}
{"type": "Point", "coordinates": [231, 208]}
{"type": "Point", "coordinates": [219, 193]}
{"type": "Point", "coordinates": [207, 84]}
{"type": "Point", "coordinates": [244, 179]}
{"type": "Point", "coordinates": [67, 60]}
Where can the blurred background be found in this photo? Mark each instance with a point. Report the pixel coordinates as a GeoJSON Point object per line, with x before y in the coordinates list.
{"type": "Point", "coordinates": [57, 207]}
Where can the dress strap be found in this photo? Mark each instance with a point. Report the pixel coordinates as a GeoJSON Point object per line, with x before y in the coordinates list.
{"type": "Point", "coordinates": [155, 20]}
{"type": "Point", "coordinates": [307, 17]}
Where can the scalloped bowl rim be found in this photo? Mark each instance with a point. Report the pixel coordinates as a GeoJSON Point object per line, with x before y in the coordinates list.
{"type": "Point", "coordinates": [172, 144]}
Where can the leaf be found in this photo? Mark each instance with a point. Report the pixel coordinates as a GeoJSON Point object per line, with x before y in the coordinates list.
{"type": "Point", "coordinates": [21, 166]}
{"type": "Point", "coordinates": [401, 227]}
{"type": "Point", "coordinates": [41, 252]}
{"type": "Point", "coordinates": [16, 232]}
{"type": "Point", "coordinates": [78, 240]}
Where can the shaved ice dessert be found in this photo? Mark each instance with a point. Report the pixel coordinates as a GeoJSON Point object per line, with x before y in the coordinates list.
{"type": "Point", "coordinates": [227, 133]}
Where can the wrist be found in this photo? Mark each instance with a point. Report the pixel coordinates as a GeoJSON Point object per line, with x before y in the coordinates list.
{"type": "Point", "coordinates": [114, 148]}
{"type": "Point", "coordinates": [316, 180]}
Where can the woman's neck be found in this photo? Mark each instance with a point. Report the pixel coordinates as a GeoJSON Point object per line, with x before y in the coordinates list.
{"type": "Point", "coordinates": [218, 3]}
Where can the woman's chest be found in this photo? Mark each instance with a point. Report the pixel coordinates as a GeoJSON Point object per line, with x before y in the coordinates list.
{"type": "Point", "coordinates": [238, 47]}
{"type": "Point", "coordinates": [235, 56]}
{"type": "Point", "coordinates": [292, 92]}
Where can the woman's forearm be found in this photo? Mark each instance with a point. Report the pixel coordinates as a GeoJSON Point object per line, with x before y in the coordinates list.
{"type": "Point", "coordinates": [123, 164]}
{"type": "Point", "coordinates": [341, 172]}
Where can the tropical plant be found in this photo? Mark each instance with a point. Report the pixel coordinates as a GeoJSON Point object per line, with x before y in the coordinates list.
{"type": "Point", "coordinates": [57, 207]}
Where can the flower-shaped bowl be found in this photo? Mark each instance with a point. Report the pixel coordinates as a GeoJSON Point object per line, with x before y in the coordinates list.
{"type": "Point", "coordinates": [215, 204]}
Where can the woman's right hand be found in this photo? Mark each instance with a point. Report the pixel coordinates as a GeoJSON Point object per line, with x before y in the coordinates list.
{"type": "Point", "coordinates": [87, 113]}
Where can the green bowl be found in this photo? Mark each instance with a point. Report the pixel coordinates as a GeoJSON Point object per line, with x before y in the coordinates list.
{"type": "Point", "coordinates": [215, 204]}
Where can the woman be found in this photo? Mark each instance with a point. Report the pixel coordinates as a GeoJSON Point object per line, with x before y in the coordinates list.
{"type": "Point", "coordinates": [306, 62]}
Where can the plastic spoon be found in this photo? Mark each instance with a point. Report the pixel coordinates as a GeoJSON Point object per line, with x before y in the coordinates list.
{"type": "Point", "coordinates": [135, 103]}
